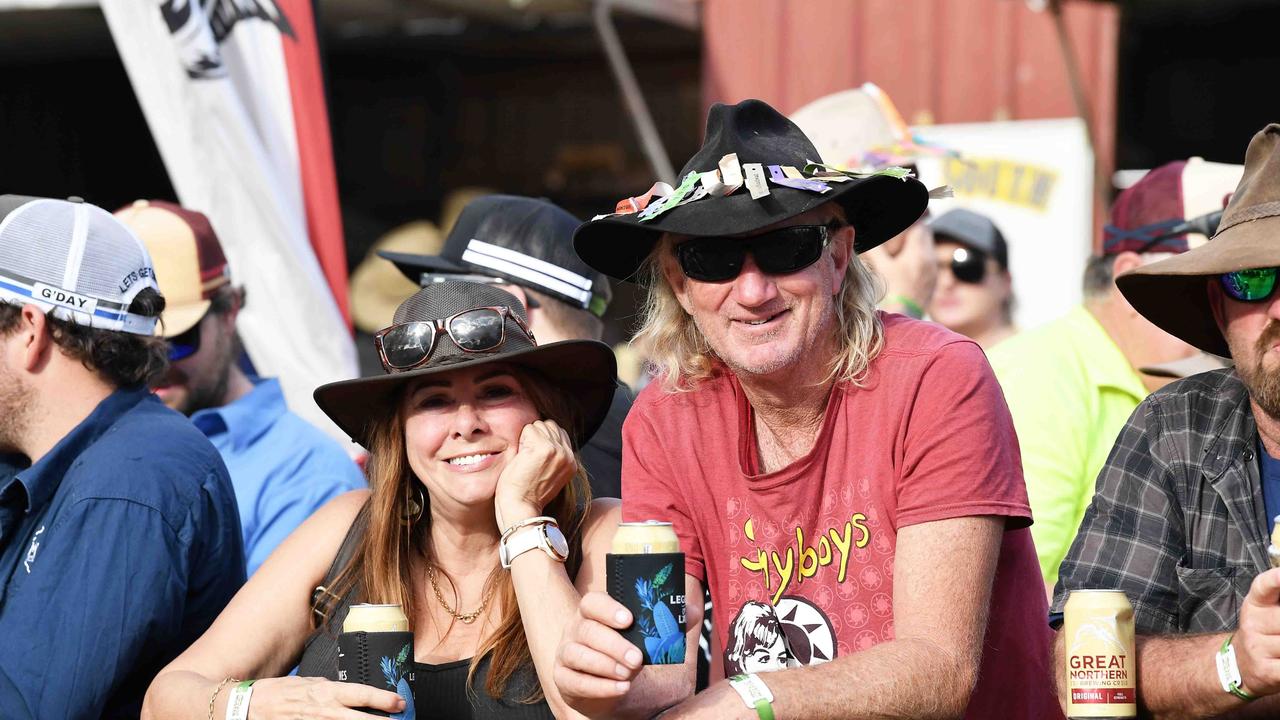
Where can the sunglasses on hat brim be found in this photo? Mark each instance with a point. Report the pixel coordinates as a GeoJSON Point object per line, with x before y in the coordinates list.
{"type": "Point", "coordinates": [1251, 286]}
{"type": "Point", "coordinates": [409, 345]}
{"type": "Point", "coordinates": [777, 252]}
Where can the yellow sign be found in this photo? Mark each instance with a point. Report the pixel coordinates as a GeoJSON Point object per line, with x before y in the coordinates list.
{"type": "Point", "coordinates": [1006, 181]}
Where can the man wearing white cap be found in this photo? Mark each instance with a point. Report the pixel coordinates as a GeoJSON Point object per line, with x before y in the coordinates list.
{"type": "Point", "coordinates": [119, 537]}
{"type": "Point", "coordinates": [282, 467]}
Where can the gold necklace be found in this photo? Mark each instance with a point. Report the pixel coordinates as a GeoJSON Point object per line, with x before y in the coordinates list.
{"type": "Point", "coordinates": [467, 618]}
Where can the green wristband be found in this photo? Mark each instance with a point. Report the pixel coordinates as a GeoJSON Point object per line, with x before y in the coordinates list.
{"type": "Point", "coordinates": [754, 693]}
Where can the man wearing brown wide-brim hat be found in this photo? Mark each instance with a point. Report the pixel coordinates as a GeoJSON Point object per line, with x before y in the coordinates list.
{"type": "Point", "coordinates": [1185, 503]}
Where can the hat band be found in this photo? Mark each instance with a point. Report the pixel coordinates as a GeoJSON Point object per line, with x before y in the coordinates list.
{"type": "Point", "coordinates": [1253, 212]}
{"type": "Point", "coordinates": [531, 269]}
{"type": "Point", "coordinates": [75, 307]}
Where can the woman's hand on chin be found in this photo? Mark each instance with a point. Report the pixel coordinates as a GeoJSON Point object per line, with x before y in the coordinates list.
{"type": "Point", "coordinates": [543, 463]}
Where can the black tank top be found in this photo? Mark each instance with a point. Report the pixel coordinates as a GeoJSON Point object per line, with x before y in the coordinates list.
{"type": "Point", "coordinates": [441, 690]}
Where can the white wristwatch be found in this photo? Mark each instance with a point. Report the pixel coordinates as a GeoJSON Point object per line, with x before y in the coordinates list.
{"type": "Point", "coordinates": [540, 532]}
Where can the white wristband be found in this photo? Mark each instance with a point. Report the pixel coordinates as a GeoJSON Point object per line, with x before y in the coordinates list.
{"type": "Point", "coordinates": [238, 701]}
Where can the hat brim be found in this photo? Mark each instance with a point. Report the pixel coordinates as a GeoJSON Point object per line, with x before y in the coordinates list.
{"type": "Point", "coordinates": [178, 319]}
{"type": "Point", "coordinates": [879, 207]}
{"type": "Point", "coordinates": [413, 265]}
{"type": "Point", "coordinates": [584, 372]}
{"type": "Point", "coordinates": [1174, 294]}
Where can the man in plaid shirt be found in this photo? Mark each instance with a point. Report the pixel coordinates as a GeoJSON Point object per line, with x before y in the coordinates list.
{"type": "Point", "coordinates": [1185, 502]}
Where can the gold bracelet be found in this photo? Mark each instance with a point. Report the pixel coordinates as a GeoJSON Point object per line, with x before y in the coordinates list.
{"type": "Point", "coordinates": [213, 699]}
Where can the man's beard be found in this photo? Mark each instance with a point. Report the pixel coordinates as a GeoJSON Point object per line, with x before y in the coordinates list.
{"type": "Point", "coordinates": [15, 411]}
{"type": "Point", "coordinates": [211, 391]}
{"type": "Point", "coordinates": [1263, 384]}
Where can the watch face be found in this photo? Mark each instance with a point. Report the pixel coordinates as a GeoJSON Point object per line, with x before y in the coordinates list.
{"type": "Point", "coordinates": [556, 539]}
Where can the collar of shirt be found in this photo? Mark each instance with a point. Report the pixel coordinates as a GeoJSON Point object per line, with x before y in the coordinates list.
{"type": "Point", "coordinates": [1107, 366]}
{"type": "Point", "coordinates": [246, 419]}
{"type": "Point", "coordinates": [41, 480]}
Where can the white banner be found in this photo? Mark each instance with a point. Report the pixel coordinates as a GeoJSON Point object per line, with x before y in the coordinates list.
{"type": "Point", "coordinates": [1034, 179]}
{"type": "Point", "coordinates": [215, 90]}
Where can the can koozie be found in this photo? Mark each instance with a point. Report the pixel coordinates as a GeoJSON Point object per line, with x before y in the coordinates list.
{"type": "Point", "coordinates": [379, 659]}
{"type": "Point", "coordinates": [651, 585]}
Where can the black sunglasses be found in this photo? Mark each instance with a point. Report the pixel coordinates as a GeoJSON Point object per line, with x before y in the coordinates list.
{"type": "Point", "coordinates": [408, 345]}
{"type": "Point", "coordinates": [968, 265]}
{"type": "Point", "coordinates": [778, 252]}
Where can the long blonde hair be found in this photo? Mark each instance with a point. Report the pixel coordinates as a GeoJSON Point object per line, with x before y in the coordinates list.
{"type": "Point", "coordinates": [681, 356]}
{"type": "Point", "coordinates": [380, 569]}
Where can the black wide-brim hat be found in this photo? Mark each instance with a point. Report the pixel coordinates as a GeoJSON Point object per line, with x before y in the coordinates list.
{"type": "Point", "coordinates": [583, 372]}
{"type": "Point", "coordinates": [878, 206]}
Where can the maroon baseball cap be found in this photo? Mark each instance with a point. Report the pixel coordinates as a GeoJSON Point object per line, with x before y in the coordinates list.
{"type": "Point", "coordinates": [190, 266]}
{"type": "Point", "coordinates": [1145, 216]}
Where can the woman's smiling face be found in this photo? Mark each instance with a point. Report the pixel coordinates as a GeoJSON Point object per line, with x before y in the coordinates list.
{"type": "Point", "coordinates": [462, 428]}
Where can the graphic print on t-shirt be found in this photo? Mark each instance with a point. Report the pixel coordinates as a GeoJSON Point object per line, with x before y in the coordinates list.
{"type": "Point", "coordinates": [811, 587]}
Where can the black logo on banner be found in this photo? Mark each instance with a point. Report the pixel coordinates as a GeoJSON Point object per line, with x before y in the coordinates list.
{"type": "Point", "coordinates": [198, 27]}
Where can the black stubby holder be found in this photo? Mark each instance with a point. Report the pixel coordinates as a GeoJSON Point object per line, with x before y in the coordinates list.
{"type": "Point", "coordinates": [652, 587]}
{"type": "Point", "coordinates": [383, 660]}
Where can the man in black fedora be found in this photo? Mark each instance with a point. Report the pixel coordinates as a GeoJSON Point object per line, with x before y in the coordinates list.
{"type": "Point", "coordinates": [525, 246]}
{"type": "Point", "coordinates": [844, 480]}
{"type": "Point", "coordinates": [1189, 495]}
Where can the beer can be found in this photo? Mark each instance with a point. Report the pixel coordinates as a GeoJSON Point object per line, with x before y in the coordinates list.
{"type": "Point", "coordinates": [645, 572]}
{"type": "Point", "coordinates": [643, 538]}
{"type": "Point", "coordinates": [1102, 681]}
{"type": "Point", "coordinates": [375, 648]}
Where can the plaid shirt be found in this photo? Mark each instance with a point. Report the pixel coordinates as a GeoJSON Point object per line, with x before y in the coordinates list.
{"type": "Point", "coordinates": [1177, 521]}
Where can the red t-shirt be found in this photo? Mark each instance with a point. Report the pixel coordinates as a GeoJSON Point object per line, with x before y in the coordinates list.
{"type": "Point", "coordinates": [800, 561]}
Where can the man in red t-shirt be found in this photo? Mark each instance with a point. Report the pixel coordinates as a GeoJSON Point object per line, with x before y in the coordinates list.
{"type": "Point", "coordinates": [846, 482]}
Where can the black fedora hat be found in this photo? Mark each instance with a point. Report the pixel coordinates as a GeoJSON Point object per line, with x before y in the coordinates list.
{"type": "Point", "coordinates": [521, 240]}
{"type": "Point", "coordinates": [583, 371]}
{"type": "Point", "coordinates": [879, 205]}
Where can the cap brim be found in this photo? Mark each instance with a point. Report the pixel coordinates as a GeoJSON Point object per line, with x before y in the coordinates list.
{"type": "Point", "coordinates": [879, 207]}
{"type": "Point", "coordinates": [584, 372]}
{"type": "Point", "coordinates": [1194, 365]}
{"type": "Point", "coordinates": [413, 266]}
{"type": "Point", "coordinates": [178, 319]}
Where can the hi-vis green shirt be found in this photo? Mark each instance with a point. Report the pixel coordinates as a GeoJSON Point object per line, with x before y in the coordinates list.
{"type": "Point", "coordinates": [1070, 391]}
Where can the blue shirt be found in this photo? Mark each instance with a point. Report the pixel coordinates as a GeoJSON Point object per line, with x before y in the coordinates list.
{"type": "Point", "coordinates": [283, 468]}
{"type": "Point", "coordinates": [118, 548]}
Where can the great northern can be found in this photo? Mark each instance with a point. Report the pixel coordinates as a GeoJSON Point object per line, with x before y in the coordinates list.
{"type": "Point", "coordinates": [1102, 681]}
{"type": "Point", "coordinates": [645, 572]}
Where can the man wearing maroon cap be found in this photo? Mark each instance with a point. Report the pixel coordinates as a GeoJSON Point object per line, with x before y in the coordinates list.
{"type": "Point", "coordinates": [282, 468]}
{"type": "Point", "coordinates": [1073, 382]}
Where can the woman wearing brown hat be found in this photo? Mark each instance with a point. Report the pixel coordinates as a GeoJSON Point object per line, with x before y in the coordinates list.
{"type": "Point", "coordinates": [472, 431]}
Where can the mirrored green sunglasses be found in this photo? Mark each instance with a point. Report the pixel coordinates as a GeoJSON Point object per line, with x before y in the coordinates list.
{"type": "Point", "coordinates": [1250, 286]}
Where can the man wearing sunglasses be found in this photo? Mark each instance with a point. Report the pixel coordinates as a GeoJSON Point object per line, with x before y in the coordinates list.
{"type": "Point", "coordinates": [974, 294]}
{"type": "Point", "coordinates": [1187, 498]}
{"type": "Point", "coordinates": [1073, 382]}
{"type": "Point", "coordinates": [283, 468]}
{"type": "Point", "coordinates": [853, 472]}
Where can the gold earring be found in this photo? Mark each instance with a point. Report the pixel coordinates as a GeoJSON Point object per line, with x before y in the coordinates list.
{"type": "Point", "coordinates": [414, 501]}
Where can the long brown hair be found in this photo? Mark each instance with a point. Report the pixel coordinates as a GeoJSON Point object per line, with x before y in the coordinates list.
{"type": "Point", "coordinates": [380, 570]}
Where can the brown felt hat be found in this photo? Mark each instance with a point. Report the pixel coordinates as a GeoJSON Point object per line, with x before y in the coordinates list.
{"type": "Point", "coordinates": [583, 371]}
{"type": "Point", "coordinates": [1173, 293]}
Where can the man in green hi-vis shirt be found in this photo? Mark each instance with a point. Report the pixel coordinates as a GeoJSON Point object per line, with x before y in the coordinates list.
{"type": "Point", "coordinates": [1071, 384]}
